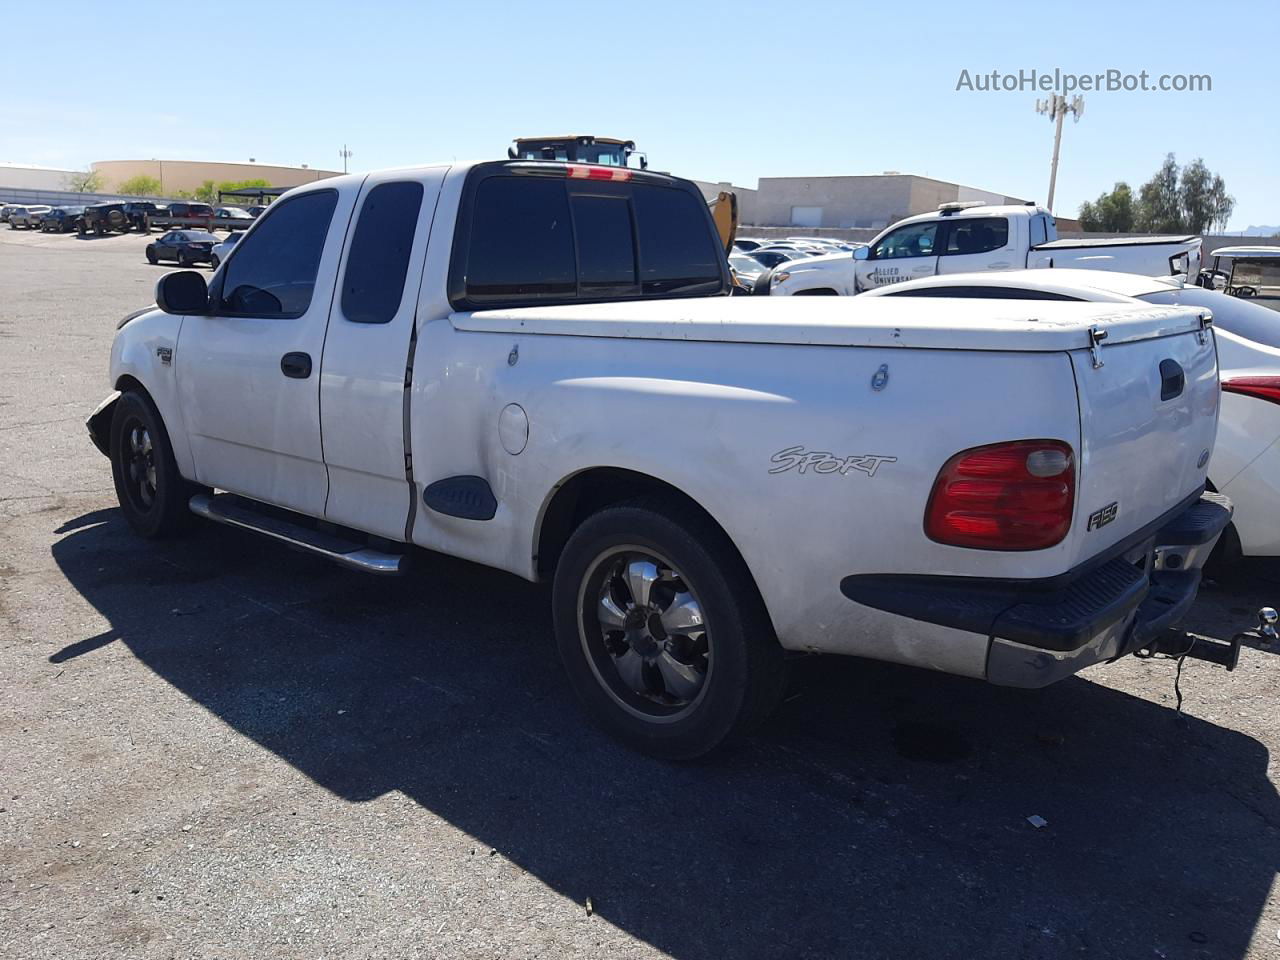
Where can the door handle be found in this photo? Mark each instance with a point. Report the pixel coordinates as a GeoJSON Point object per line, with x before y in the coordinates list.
{"type": "Point", "coordinates": [296, 365]}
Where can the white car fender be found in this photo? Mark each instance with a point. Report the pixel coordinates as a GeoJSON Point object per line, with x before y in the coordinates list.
{"type": "Point", "coordinates": [145, 350]}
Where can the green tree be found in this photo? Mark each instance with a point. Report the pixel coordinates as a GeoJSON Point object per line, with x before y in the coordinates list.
{"type": "Point", "coordinates": [1159, 202]}
{"type": "Point", "coordinates": [139, 186]}
{"type": "Point", "coordinates": [1111, 213]}
{"type": "Point", "coordinates": [86, 181]}
{"type": "Point", "coordinates": [205, 193]}
{"type": "Point", "coordinates": [1203, 197]}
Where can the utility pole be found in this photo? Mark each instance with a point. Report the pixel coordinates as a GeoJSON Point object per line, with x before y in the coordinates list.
{"type": "Point", "coordinates": [1056, 108]}
{"type": "Point", "coordinates": [344, 153]}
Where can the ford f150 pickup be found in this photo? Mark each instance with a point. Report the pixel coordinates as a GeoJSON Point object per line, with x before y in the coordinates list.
{"type": "Point", "coordinates": [963, 238]}
{"type": "Point", "coordinates": [534, 365]}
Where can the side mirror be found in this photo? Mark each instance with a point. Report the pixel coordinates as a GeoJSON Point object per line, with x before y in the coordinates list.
{"type": "Point", "coordinates": [862, 253]}
{"type": "Point", "coordinates": [183, 292]}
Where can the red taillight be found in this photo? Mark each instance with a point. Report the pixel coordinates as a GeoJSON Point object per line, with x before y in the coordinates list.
{"type": "Point", "coordinates": [579, 171]}
{"type": "Point", "coordinates": [1006, 496]}
{"type": "Point", "coordinates": [1261, 388]}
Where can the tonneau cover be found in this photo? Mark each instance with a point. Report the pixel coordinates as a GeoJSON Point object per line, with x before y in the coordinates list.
{"type": "Point", "coordinates": [1113, 242]}
{"type": "Point", "coordinates": [933, 323]}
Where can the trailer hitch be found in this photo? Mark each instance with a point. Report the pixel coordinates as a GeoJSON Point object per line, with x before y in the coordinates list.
{"type": "Point", "coordinates": [1179, 645]}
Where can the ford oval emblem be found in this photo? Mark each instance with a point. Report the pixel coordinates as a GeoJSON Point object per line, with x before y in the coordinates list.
{"type": "Point", "coordinates": [1204, 458]}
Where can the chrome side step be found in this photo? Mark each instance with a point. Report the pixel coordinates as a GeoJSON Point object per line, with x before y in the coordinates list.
{"type": "Point", "coordinates": [236, 511]}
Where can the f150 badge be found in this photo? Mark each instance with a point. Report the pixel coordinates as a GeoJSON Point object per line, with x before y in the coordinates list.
{"type": "Point", "coordinates": [1100, 518]}
{"type": "Point", "coordinates": [802, 461]}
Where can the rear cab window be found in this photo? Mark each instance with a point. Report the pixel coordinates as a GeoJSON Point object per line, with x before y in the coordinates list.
{"type": "Point", "coordinates": [538, 238]}
{"type": "Point", "coordinates": [1039, 231]}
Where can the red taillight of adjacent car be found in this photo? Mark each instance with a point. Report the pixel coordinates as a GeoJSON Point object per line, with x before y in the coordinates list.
{"type": "Point", "coordinates": [1005, 496]}
{"type": "Point", "coordinates": [1260, 388]}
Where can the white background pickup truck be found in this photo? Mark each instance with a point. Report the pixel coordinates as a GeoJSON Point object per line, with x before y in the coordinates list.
{"type": "Point", "coordinates": [530, 365]}
{"type": "Point", "coordinates": [965, 239]}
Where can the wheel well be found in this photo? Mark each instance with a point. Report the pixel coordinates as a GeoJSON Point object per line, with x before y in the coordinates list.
{"type": "Point", "coordinates": [591, 490]}
{"type": "Point", "coordinates": [817, 292]}
{"type": "Point", "coordinates": [126, 383]}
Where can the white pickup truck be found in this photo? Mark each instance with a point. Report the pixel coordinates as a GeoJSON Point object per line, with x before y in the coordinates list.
{"type": "Point", "coordinates": [532, 365]}
{"type": "Point", "coordinates": [964, 238]}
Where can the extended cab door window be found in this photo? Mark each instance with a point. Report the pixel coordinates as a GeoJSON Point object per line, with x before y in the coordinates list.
{"type": "Point", "coordinates": [976, 243]}
{"type": "Point", "coordinates": [273, 273]}
{"type": "Point", "coordinates": [373, 284]}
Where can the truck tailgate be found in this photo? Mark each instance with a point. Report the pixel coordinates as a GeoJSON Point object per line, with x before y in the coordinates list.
{"type": "Point", "coordinates": [1149, 416]}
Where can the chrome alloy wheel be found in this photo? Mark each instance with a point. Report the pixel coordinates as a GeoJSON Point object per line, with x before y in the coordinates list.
{"type": "Point", "coordinates": [140, 464]}
{"type": "Point", "coordinates": [643, 632]}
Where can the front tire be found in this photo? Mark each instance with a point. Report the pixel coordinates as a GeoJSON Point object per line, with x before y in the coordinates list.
{"type": "Point", "coordinates": [662, 631]}
{"type": "Point", "coordinates": [152, 493]}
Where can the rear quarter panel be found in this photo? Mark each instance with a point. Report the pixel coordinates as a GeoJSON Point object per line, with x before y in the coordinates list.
{"type": "Point", "coordinates": [773, 441]}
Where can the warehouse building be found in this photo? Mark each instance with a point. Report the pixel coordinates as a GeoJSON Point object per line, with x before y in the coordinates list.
{"type": "Point", "coordinates": [175, 175]}
{"type": "Point", "coordinates": [858, 201]}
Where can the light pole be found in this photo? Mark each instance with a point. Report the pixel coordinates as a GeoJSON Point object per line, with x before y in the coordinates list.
{"type": "Point", "coordinates": [1055, 108]}
{"type": "Point", "coordinates": [344, 153]}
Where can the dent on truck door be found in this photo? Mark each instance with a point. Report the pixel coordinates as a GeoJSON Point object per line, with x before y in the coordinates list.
{"type": "Point", "coordinates": [252, 414]}
{"type": "Point", "coordinates": [362, 376]}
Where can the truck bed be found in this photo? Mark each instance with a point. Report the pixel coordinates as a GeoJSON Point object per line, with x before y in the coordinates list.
{"type": "Point", "coordinates": [1006, 325]}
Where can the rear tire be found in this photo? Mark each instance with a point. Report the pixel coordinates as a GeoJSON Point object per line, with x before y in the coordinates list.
{"type": "Point", "coordinates": [184, 258]}
{"type": "Point", "coordinates": [661, 630]}
{"type": "Point", "coordinates": [1227, 557]}
{"type": "Point", "coordinates": [152, 493]}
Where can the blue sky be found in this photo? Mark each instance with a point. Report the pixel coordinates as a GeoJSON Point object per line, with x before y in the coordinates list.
{"type": "Point", "coordinates": [716, 91]}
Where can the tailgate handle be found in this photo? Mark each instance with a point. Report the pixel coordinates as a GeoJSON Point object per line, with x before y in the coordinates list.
{"type": "Point", "coordinates": [1172, 379]}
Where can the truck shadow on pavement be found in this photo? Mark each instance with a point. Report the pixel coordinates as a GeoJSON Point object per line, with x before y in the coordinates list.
{"type": "Point", "coordinates": [884, 812]}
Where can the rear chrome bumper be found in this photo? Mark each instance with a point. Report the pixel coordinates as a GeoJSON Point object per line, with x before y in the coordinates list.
{"type": "Point", "coordinates": [1043, 631]}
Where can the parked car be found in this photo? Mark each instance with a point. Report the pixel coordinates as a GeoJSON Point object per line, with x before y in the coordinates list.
{"type": "Point", "coordinates": [27, 217]}
{"type": "Point", "coordinates": [947, 485]}
{"type": "Point", "coordinates": [6, 210]}
{"type": "Point", "coordinates": [184, 214]}
{"type": "Point", "coordinates": [220, 250]}
{"type": "Point", "coordinates": [746, 269]}
{"type": "Point", "coordinates": [747, 244]}
{"type": "Point", "coordinates": [187, 247]}
{"type": "Point", "coordinates": [103, 218]}
{"type": "Point", "coordinates": [61, 219]}
{"type": "Point", "coordinates": [232, 218]}
{"type": "Point", "coordinates": [142, 215]}
{"type": "Point", "coordinates": [1246, 455]}
{"type": "Point", "coordinates": [771, 257]}
{"type": "Point", "coordinates": [964, 237]}
{"type": "Point", "coordinates": [256, 210]}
